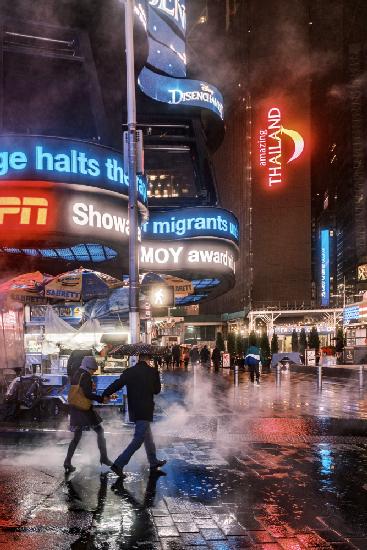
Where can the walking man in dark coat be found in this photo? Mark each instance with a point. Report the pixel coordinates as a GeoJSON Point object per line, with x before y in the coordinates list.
{"type": "Point", "coordinates": [142, 382]}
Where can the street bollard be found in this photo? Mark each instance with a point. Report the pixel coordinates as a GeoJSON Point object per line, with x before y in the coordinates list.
{"type": "Point", "coordinates": [279, 367]}
{"type": "Point", "coordinates": [236, 375]}
{"type": "Point", "coordinates": [361, 371]}
{"type": "Point", "coordinates": [319, 377]}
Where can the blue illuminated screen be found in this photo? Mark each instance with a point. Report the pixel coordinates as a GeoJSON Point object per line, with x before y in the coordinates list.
{"type": "Point", "coordinates": [325, 267]}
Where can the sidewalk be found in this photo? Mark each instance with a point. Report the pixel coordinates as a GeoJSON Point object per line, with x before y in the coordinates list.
{"type": "Point", "coordinates": [248, 467]}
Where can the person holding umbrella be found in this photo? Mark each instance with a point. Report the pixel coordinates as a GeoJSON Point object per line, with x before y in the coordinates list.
{"type": "Point", "coordinates": [142, 382]}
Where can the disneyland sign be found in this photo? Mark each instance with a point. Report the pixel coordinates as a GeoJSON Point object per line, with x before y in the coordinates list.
{"type": "Point", "coordinates": [180, 91]}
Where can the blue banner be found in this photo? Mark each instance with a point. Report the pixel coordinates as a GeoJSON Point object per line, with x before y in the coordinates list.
{"type": "Point", "coordinates": [325, 267]}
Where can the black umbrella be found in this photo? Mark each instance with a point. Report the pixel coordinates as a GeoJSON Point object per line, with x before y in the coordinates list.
{"type": "Point", "coordinates": [139, 349]}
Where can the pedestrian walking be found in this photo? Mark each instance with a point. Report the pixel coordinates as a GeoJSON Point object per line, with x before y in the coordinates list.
{"type": "Point", "coordinates": [176, 355]}
{"type": "Point", "coordinates": [205, 357]}
{"type": "Point", "coordinates": [84, 420]}
{"type": "Point", "coordinates": [186, 358]}
{"type": "Point", "coordinates": [168, 358]}
{"type": "Point", "coordinates": [216, 357]}
{"type": "Point", "coordinates": [142, 382]}
{"type": "Point", "coordinates": [252, 360]}
{"type": "Point", "coordinates": [194, 355]}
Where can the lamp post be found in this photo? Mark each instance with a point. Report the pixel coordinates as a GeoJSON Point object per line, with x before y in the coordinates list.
{"type": "Point", "coordinates": [134, 319]}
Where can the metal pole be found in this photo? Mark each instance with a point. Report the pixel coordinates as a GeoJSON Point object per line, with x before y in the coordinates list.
{"type": "Point", "coordinates": [361, 371]}
{"type": "Point", "coordinates": [236, 375]}
{"type": "Point", "coordinates": [319, 377]}
{"type": "Point", "coordinates": [134, 319]}
{"type": "Point", "coordinates": [278, 374]}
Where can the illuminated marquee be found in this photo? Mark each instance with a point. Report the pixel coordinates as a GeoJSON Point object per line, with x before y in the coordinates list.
{"type": "Point", "coordinates": [192, 222]}
{"type": "Point", "coordinates": [65, 161]}
{"type": "Point", "coordinates": [325, 267]}
{"type": "Point", "coordinates": [270, 143]}
{"type": "Point", "coordinates": [187, 255]}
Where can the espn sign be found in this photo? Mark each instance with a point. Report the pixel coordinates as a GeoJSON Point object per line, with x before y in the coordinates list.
{"type": "Point", "coordinates": [23, 210]}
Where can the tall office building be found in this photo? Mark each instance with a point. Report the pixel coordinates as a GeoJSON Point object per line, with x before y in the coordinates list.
{"type": "Point", "coordinates": [339, 166]}
{"type": "Point", "coordinates": [263, 166]}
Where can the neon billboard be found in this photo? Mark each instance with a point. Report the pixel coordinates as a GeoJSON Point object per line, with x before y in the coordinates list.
{"type": "Point", "coordinates": [273, 156]}
{"type": "Point", "coordinates": [325, 267]}
{"type": "Point", "coordinates": [66, 161]}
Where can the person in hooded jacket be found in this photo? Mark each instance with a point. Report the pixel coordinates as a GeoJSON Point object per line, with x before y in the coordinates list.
{"type": "Point", "coordinates": [252, 360]}
{"type": "Point", "coordinates": [81, 421]}
{"type": "Point", "coordinates": [142, 382]}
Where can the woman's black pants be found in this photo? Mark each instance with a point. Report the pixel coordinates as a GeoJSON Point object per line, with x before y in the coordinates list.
{"type": "Point", "coordinates": [101, 442]}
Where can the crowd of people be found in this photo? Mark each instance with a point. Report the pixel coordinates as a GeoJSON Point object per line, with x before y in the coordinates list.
{"type": "Point", "coordinates": [178, 356]}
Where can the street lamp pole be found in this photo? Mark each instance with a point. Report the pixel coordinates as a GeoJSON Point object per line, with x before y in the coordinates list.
{"type": "Point", "coordinates": [134, 319]}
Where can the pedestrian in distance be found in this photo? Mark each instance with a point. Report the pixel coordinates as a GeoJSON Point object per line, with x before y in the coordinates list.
{"type": "Point", "coordinates": [186, 358]}
{"type": "Point", "coordinates": [142, 382]}
{"type": "Point", "coordinates": [205, 357]}
{"type": "Point", "coordinates": [252, 360]}
{"type": "Point", "coordinates": [168, 358]}
{"type": "Point", "coordinates": [176, 356]}
{"type": "Point", "coordinates": [194, 355]}
{"type": "Point", "coordinates": [216, 358]}
{"type": "Point", "coordinates": [85, 420]}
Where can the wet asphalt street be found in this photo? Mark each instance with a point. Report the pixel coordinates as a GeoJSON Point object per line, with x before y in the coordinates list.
{"type": "Point", "coordinates": [278, 466]}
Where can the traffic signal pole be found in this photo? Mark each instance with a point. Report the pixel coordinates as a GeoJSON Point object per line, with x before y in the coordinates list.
{"type": "Point", "coordinates": [134, 319]}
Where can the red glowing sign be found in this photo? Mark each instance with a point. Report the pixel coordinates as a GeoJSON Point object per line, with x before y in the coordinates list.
{"type": "Point", "coordinates": [25, 208]}
{"type": "Point", "coordinates": [272, 153]}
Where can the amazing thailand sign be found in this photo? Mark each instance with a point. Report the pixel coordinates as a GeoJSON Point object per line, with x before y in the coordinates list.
{"type": "Point", "coordinates": [277, 148]}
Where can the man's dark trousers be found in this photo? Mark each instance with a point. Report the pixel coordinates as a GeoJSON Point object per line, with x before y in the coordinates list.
{"type": "Point", "coordinates": [254, 369]}
{"type": "Point", "coordinates": [142, 434]}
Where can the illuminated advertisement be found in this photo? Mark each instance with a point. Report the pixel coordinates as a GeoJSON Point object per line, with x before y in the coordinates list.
{"type": "Point", "coordinates": [60, 214]}
{"type": "Point", "coordinates": [207, 255]}
{"type": "Point", "coordinates": [362, 272]}
{"type": "Point", "coordinates": [185, 92]}
{"type": "Point", "coordinates": [277, 147]}
{"type": "Point", "coordinates": [65, 161]}
{"type": "Point", "coordinates": [173, 10]}
{"type": "Point", "coordinates": [192, 222]}
{"type": "Point", "coordinates": [325, 268]}
{"type": "Point", "coordinates": [161, 32]}
{"type": "Point", "coordinates": [351, 314]}
{"type": "Point", "coordinates": [162, 19]}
